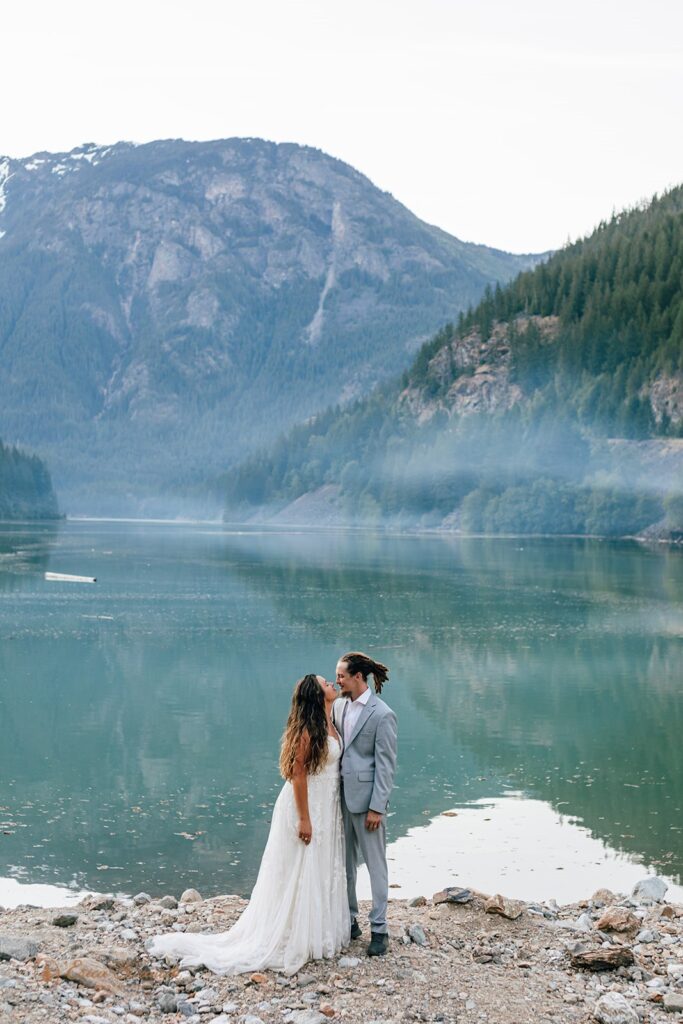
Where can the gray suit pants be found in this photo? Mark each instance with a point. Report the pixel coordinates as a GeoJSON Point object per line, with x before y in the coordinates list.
{"type": "Point", "coordinates": [370, 847]}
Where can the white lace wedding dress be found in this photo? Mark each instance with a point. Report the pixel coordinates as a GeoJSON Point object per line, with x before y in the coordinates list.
{"type": "Point", "coordinates": [298, 910]}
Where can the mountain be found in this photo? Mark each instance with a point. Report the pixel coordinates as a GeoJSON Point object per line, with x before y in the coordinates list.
{"type": "Point", "coordinates": [554, 405]}
{"type": "Point", "coordinates": [167, 308]}
{"type": "Point", "coordinates": [26, 490]}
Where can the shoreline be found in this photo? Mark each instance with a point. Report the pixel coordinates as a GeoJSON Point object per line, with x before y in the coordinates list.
{"type": "Point", "coordinates": [496, 960]}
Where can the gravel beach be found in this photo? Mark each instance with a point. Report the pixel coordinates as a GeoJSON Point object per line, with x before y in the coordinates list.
{"type": "Point", "coordinates": [454, 956]}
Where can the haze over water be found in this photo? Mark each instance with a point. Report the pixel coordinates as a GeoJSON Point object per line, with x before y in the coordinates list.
{"type": "Point", "coordinates": [537, 685]}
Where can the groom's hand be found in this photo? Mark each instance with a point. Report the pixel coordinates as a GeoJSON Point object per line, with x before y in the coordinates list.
{"type": "Point", "coordinates": [373, 820]}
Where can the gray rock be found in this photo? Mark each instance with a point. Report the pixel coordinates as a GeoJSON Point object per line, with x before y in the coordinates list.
{"type": "Point", "coordinates": [651, 888]}
{"type": "Point", "coordinates": [230, 1008]}
{"type": "Point", "coordinates": [141, 899]}
{"type": "Point", "coordinates": [64, 920]}
{"type": "Point", "coordinates": [417, 901]}
{"type": "Point", "coordinates": [209, 995]}
{"type": "Point", "coordinates": [221, 1019]}
{"type": "Point", "coordinates": [417, 935]}
{"type": "Point", "coordinates": [348, 962]}
{"type": "Point", "coordinates": [505, 907]}
{"type": "Point", "coordinates": [167, 1002]}
{"type": "Point", "coordinates": [454, 894]}
{"type": "Point", "coordinates": [191, 896]}
{"type": "Point", "coordinates": [308, 1017]}
{"type": "Point", "coordinates": [613, 1008]}
{"type": "Point", "coordinates": [673, 1002]}
{"type": "Point", "coordinates": [584, 923]}
{"type": "Point", "coordinates": [251, 1019]}
{"type": "Point", "coordinates": [646, 936]}
{"type": "Point", "coordinates": [17, 948]}
{"type": "Point", "coordinates": [168, 902]}
{"type": "Point", "coordinates": [303, 980]}
{"type": "Point", "coordinates": [102, 903]}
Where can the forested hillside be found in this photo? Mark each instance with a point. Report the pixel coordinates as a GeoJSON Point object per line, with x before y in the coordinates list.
{"type": "Point", "coordinates": [25, 486]}
{"type": "Point", "coordinates": [507, 421]}
{"type": "Point", "coordinates": [167, 308]}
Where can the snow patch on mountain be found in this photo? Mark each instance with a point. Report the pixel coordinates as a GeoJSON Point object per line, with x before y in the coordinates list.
{"type": "Point", "coordinates": [4, 178]}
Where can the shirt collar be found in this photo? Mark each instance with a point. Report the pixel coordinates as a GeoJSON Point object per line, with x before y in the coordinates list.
{"type": "Point", "coordinates": [364, 697]}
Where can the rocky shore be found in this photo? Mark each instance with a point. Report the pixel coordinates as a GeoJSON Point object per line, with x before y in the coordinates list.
{"type": "Point", "coordinates": [458, 956]}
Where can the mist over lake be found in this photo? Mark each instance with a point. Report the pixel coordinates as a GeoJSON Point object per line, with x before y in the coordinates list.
{"type": "Point", "coordinates": [141, 715]}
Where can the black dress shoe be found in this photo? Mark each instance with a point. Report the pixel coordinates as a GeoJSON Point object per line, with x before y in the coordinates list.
{"type": "Point", "coordinates": [355, 930]}
{"type": "Point", "coordinates": [379, 944]}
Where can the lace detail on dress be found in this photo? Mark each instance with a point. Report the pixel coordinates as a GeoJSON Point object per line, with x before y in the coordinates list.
{"type": "Point", "coordinates": [298, 909]}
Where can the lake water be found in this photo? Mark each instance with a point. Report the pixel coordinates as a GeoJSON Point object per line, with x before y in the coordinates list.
{"type": "Point", "coordinates": [537, 684]}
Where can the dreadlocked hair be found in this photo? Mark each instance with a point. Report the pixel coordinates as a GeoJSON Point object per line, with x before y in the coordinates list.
{"type": "Point", "coordinates": [356, 661]}
{"type": "Point", "coordinates": [307, 714]}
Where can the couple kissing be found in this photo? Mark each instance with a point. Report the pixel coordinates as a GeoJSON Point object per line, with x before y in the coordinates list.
{"type": "Point", "coordinates": [338, 758]}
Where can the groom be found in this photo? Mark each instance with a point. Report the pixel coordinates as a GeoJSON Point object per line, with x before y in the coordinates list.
{"type": "Point", "coordinates": [367, 727]}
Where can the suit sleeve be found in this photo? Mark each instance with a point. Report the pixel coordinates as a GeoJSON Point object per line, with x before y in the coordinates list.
{"type": "Point", "coordinates": [385, 762]}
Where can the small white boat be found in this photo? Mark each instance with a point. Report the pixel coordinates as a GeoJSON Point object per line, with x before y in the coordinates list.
{"type": "Point", "coordinates": [64, 577]}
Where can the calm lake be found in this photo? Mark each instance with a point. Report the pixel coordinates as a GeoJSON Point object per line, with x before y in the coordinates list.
{"type": "Point", "coordinates": [538, 687]}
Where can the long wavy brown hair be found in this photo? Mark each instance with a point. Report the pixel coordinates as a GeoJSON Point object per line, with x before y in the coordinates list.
{"type": "Point", "coordinates": [356, 661]}
{"type": "Point", "coordinates": [307, 714]}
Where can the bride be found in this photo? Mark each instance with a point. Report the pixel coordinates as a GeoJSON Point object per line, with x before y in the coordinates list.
{"type": "Point", "coordinates": [298, 909]}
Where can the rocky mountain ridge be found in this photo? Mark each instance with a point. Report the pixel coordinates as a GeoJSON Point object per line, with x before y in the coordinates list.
{"type": "Point", "coordinates": [155, 299]}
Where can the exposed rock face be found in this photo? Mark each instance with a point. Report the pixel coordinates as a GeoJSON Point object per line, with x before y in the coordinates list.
{"type": "Point", "coordinates": [157, 299]}
{"type": "Point", "coordinates": [482, 365]}
{"type": "Point", "coordinates": [666, 398]}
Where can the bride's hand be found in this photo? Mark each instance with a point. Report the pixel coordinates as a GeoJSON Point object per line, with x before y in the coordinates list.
{"type": "Point", "coordinates": [305, 830]}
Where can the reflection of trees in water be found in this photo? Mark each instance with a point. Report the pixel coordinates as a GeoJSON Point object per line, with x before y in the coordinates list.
{"type": "Point", "coordinates": [123, 743]}
{"type": "Point", "coordinates": [510, 660]}
{"type": "Point", "coordinates": [556, 666]}
{"type": "Point", "coordinates": [25, 553]}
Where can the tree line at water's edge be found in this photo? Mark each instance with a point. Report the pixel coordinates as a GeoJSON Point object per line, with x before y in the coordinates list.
{"type": "Point", "coordinates": [26, 490]}
{"type": "Point", "coordinates": [580, 349]}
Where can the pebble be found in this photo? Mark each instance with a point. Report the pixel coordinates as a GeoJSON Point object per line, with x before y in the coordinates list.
{"type": "Point", "coordinates": [167, 1002]}
{"type": "Point", "coordinates": [348, 962]}
{"type": "Point", "coordinates": [617, 919]}
{"type": "Point", "coordinates": [191, 896]}
{"type": "Point", "coordinates": [673, 1002]}
{"type": "Point", "coordinates": [417, 935]}
{"type": "Point", "coordinates": [651, 888]}
{"type": "Point", "coordinates": [308, 1017]}
{"type": "Point", "coordinates": [64, 920]}
{"type": "Point", "coordinates": [141, 899]}
{"type": "Point", "coordinates": [207, 995]}
{"type": "Point", "coordinates": [505, 907]}
{"type": "Point", "coordinates": [613, 1008]}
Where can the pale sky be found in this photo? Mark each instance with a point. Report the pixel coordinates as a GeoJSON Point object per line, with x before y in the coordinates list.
{"type": "Point", "coordinates": [515, 123]}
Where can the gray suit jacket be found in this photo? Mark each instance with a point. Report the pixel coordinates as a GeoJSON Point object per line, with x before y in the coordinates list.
{"type": "Point", "coordinates": [368, 761]}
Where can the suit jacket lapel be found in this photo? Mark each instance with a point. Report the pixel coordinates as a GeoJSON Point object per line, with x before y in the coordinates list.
{"type": "Point", "coordinates": [341, 731]}
{"type": "Point", "coordinates": [367, 711]}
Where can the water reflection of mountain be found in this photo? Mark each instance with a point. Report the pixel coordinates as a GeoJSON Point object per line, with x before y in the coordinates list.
{"type": "Point", "coordinates": [555, 667]}
{"type": "Point", "coordinates": [149, 709]}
